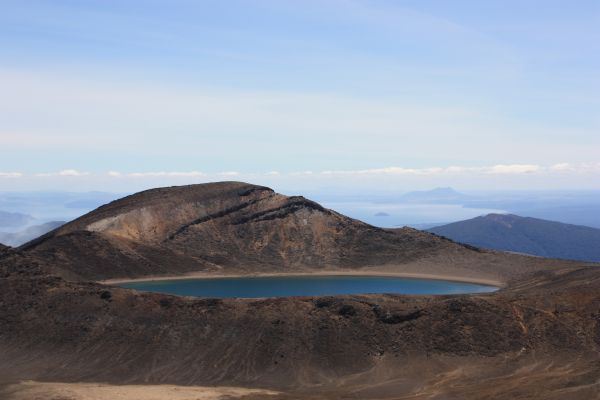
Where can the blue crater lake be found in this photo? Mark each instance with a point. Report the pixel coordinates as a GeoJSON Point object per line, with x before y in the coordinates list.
{"type": "Point", "coordinates": [285, 286]}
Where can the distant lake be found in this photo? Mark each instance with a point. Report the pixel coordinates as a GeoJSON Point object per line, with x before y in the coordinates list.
{"type": "Point", "coordinates": [254, 287]}
{"type": "Point", "coordinates": [421, 216]}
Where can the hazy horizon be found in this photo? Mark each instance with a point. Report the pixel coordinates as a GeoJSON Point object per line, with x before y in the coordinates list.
{"type": "Point", "coordinates": [391, 208]}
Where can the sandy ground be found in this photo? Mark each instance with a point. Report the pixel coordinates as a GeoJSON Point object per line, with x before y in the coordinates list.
{"type": "Point", "coordinates": [31, 390]}
{"type": "Point", "coordinates": [204, 275]}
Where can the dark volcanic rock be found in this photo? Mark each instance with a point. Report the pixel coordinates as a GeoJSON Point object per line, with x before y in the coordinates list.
{"type": "Point", "coordinates": [387, 317]}
{"type": "Point", "coordinates": [3, 249]}
{"type": "Point", "coordinates": [347, 310]}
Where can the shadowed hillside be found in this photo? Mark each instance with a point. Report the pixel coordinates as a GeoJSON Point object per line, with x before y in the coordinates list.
{"type": "Point", "coordinates": [526, 235]}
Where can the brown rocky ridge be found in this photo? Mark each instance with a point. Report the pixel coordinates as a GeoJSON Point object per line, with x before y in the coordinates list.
{"type": "Point", "coordinates": [237, 228]}
{"type": "Point", "coordinates": [537, 337]}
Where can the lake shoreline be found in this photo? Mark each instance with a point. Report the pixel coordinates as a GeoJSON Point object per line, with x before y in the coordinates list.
{"type": "Point", "coordinates": [205, 275]}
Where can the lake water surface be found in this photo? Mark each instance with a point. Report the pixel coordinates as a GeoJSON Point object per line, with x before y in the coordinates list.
{"type": "Point", "coordinates": [280, 286]}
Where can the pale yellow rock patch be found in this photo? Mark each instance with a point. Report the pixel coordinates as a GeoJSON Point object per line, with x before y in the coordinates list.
{"type": "Point", "coordinates": [31, 390]}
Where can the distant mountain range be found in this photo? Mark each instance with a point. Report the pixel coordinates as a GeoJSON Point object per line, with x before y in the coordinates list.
{"type": "Point", "coordinates": [14, 219]}
{"type": "Point", "coordinates": [44, 206]}
{"type": "Point", "coordinates": [17, 228]}
{"type": "Point", "coordinates": [15, 239]}
{"type": "Point", "coordinates": [526, 235]}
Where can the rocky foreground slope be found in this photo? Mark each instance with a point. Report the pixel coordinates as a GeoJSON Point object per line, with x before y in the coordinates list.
{"type": "Point", "coordinates": [234, 227]}
{"type": "Point", "coordinates": [537, 338]}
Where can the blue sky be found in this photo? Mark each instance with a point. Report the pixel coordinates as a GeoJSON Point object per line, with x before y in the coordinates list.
{"type": "Point", "coordinates": [110, 95]}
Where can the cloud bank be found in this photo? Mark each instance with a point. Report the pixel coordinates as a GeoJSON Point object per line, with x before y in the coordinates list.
{"type": "Point", "coordinates": [499, 169]}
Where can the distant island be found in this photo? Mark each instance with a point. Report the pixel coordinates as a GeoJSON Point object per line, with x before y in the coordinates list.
{"type": "Point", "coordinates": [445, 195]}
{"type": "Point", "coordinates": [382, 214]}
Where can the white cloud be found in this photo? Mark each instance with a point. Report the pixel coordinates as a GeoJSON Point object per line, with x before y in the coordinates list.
{"type": "Point", "coordinates": [549, 173]}
{"type": "Point", "coordinates": [64, 172]}
{"type": "Point", "coordinates": [561, 167]}
{"type": "Point", "coordinates": [72, 172]}
{"type": "Point", "coordinates": [10, 174]}
{"type": "Point", "coordinates": [590, 167]}
{"type": "Point", "coordinates": [456, 169]}
{"type": "Point", "coordinates": [389, 170]}
{"type": "Point", "coordinates": [511, 176]}
{"type": "Point", "coordinates": [496, 169]}
{"type": "Point", "coordinates": [383, 171]}
{"type": "Point", "coordinates": [514, 169]}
